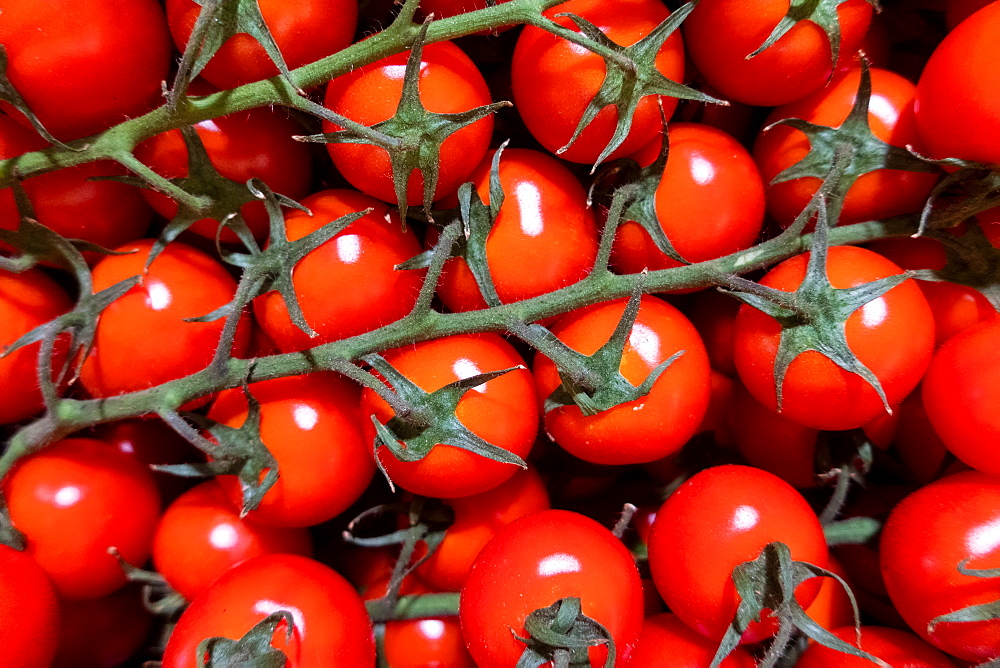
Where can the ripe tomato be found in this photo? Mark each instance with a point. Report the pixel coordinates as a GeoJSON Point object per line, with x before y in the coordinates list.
{"type": "Point", "coordinates": [647, 428]}
{"type": "Point", "coordinates": [303, 31]}
{"type": "Point", "coordinates": [418, 643]}
{"type": "Point", "coordinates": [84, 66]}
{"type": "Point", "coordinates": [666, 641]}
{"type": "Point", "coordinates": [892, 335]}
{"type": "Point", "coordinates": [75, 499]}
{"type": "Point", "coordinates": [710, 201]}
{"type": "Point", "coordinates": [27, 300]}
{"type": "Point", "coordinates": [879, 194]}
{"type": "Point", "coordinates": [720, 34]}
{"type": "Point", "coordinates": [957, 105]}
{"type": "Point", "coordinates": [362, 259]}
{"type": "Point", "coordinates": [927, 536]}
{"type": "Point", "coordinates": [311, 426]}
{"type": "Point", "coordinates": [142, 339]}
{"type": "Point", "coordinates": [449, 83]}
{"type": "Point", "coordinates": [895, 647]}
{"type": "Point", "coordinates": [959, 395]}
{"type": "Point", "coordinates": [29, 611]}
{"type": "Point", "coordinates": [331, 625]}
{"type": "Point", "coordinates": [554, 80]}
{"type": "Point", "coordinates": [544, 223]}
{"type": "Point", "coordinates": [537, 560]}
{"type": "Point", "coordinates": [718, 519]}
{"type": "Point", "coordinates": [102, 632]}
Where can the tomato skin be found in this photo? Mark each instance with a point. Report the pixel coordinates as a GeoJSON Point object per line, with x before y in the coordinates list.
{"type": "Point", "coordinates": [925, 538]}
{"type": "Point", "coordinates": [666, 641]}
{"type": "Point", "coordinates": [718, 519]}
{"type": "Point", "coordinates": [303, 31]}
{"type": "Point", "coordinates": [647, 428]}
{"type": "Point", "coordinates": [311, 426]}
{"type": "Point", "coordinates": [423, 643]}
{"type": "Point", "coordinates": [85, 66]}
{"type": "Point", "coordinates": [142, 339]}
{"type": "Point", "coordinates": [895, 647]}
{"type": "Point", "coordinates": [331, 625]}
{"type": "Point", "coordinates": [502, 412]}
{"type": "Point", "coordinates": [102, 632]}
{"type": "Point", "coordinates": [879, 194]}
{"type": "Point", "coordinates": [449, 83]}
{"type": "Point", "coordinates": [957, 105]}
{"type": "Point", "coordinates": [544, 223]}
{"type": "Point", "coordinates": [710, 202]}
{"type": "Point", "coordinates": [535, 561]}
{"type": "Point", "coordinates": [892, 335]}
{"type": "Point", "coordinates": [363, 256]}
{"type": "Point", "coordinates": [959, 393]}
{"type": "Point", "coordinates": [75, 499]}
{"type": "Point", "coordinates": [720, 34]}
{"type": "Point", "coordinates": [29, 611]}
{"type": "Point", "coordinates": [553, 80]}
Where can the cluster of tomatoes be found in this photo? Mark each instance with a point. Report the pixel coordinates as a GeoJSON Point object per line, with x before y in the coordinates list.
{"type": "Point", "coordinates": [483, 382]}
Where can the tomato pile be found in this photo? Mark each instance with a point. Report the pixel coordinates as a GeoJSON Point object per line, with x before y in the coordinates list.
{"type": "Point", "coordinates": [521, 333]}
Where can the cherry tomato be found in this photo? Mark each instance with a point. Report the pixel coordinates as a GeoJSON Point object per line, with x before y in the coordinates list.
{"type": "Point", "coordinates": [29, 611]}
{"type": "Point", "coordinates": [537, 560]}
{"type": "Point", "coordinates": [74, 500]}
{"type": "Point", "coordinates": [666, 641]}
{"type": "Point", "coordinates": [102, 632]}
{"type": "Point", "coordinates": [554, 80]}
{"type": "Point", "coordinates": [647, 428]}
{"type": "Point", "coordinates": [417, 643]}
{"type": "Point", "coordinates": [919, 448]}
{"type": "Point", "coordinates": [895, 647]}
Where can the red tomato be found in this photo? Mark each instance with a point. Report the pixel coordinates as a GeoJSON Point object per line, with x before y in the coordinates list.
{"type": "Point", "coordinates": [102, 632]}
{"type": "Point", "coordinates": [29, 611]}
{"type": "Point", "coordinates": [419, 643]}
{"type": "Point", "coordinates": [892, 335]}
{"type": "Point", "coordinates": [554, 80]}
{"type": "Point", "coordinates": [84, 66]}
{"type": "Point", "coordinates": [544, 224]}
{"type": "Point", "coordinates": [362, 257]}
{"type": "Point", "coordinates": [710, 202]}
{"type": "Point", "coordinates": [720, 34]}
{"type": "Point", "coordinates": [537, 560]}
{"type": "Point", "coordinates": [303, 31]}
{"type": "Point", "coordinates": [666, 641]}
{"type": "Point", "coordinates": [142, 339]}
{"type": "Point", "coordinates": [713, 314]}
{"type": "Point", "coordinates": [879, 194]}
{"type": "Point", "coordinates": [331, 625]}
{"type": "Point", "coordinates": [75, 499]}
{"type": "Point", "coordinates": [27, 300]}
{"type": "Point", "coordinates": [257, 143]}
{"type": "Point", "coordinates": [647, 428]}
{"type": "Point", "coordinates": [718, 519]}
{"type": "Point", "coordinates": [502, 412]}
{"type": "Point", "coordinates": [959, 395]}
{"type": "Point", "coordinates": [958, 100]}
{"type": "Point", "coordinates": [449, 83]}
{"type": "Point", "coordinates": [312, 428]}
{"type": "Point", "coordinates": [919, 448]}
{"type": "Point", "coordinates": [895, 647]}
{"type": "Point", "coordinates": [927, 536]}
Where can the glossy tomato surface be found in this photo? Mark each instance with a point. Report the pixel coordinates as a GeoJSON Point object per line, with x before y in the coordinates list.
{"type": "Point", "coordinates": [666, 641]}
{"type": "Point", "coordinates": [895, 647]}
{"type": "Point", "coordinates": [29, 611]}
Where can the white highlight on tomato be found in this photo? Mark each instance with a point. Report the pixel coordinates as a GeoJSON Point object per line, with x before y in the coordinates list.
{"type": "Point", "coordinates": [305, 417]}
{"type": "Point", "coordinates": [702, 170]}
{"type": "Point", "coordinates": [984, 539]}
{"type": "Point", "coordinates": [559, 563]}
{"type": "Point", "coordinates": [158, 295]}
{"type": "Point", "coordinates": [529, 200]}
{"type": "Point", "coordinates": [745, 518]}
{"type": "Point", "coordinates": [224, 537]}
{"type": "Point", "coordinates": [265, 607]}
{"type": "Point", "coordinates": [646, 343]}
{"type": "Point", "coordinates": [431, 628]}
{"type": "Point", "coordinates": [348, 248]}
{"type": "Point", "coordinates": [67, 496]}
{"type": "Point", "coordinates": [874, 313]}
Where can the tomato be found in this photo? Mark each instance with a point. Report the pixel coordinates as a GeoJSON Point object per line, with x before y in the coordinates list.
{"type": "Point", "coordinates": [544, 223]}
{"type": "Point", "coordinates": [709, 178]}
{"type": "Point", "coordinates": [303, 32]}
{"type": "Point", "coordinates": [647, 428]}
{"type": "Point", "coordinates": [102, 632]}
{"type": "Point", "coordinates": [449, 83]}
{"type": "Point", "coordinates": [27, 300]}
{"type": "Point", "coordinates": [918, 447]}
{"type": "Point", "coordinates": [720, 34]}
{"type": "Point", "coordinates": [252, 144]}
{"type": "Point", "coordinates": [667, 641]}
{"type": "Point", "coordinates": [84, 66]}
{"type": "Point", "coordinates": [879, 194]}
{"type": "Point", "coordinates": [362, 257]}
{"type": "Point", "coordinates": [933, 530]}
{"type": "Point", "coordinates": [311, 426]}
{"type": "Point", "coordinates": [554, 80]}
{"type": "Point", "coordinates": [29, 611]}
{"type": "Point", "coordinates": [713, 313]}
{"type": "Point", "coordinates": [502, 412]}
{"type": "Point", "coordinates": [142, 339]}
{"type": "Point", "coordinates": [895, 647]}
{"type": "Point", "coordinates": [75, 499]}
{"type": "Point", "coordinates": [959, 393]}
{"type": "Point", "coordinates": [331, 625]}
{"type": "Point", "coordinates": [417, 643]}
{"type": "Point", "coordinates": [957, 105]}
{"type": "Point", "coordinates": [718, 519]}
{"type": "Point", "coordinates": [892, 335]}
{"type": "Point", "coordinates": [537, 560]}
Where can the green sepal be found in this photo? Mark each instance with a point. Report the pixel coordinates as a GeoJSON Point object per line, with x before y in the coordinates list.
{"type": "Point", "coordinates": [10, 535]}
{"type": "Point", "coordinates": [563, 635]}
{"type": "Point", "coordinates": [10, 95]}
{"type": "Point", "coordinates": [253, 650]}
{"type": "Point", "coordinates": [851, 531]}
{"type": "Point", "coordinates": [981, 612]}
{"type": "Point", "coordinates": [631, 75]}
{"type": "Point", "coordinates": [972, 187]}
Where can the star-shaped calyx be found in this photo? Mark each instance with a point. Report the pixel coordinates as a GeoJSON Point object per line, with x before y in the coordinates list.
{"type": "Point", "coordinates": [253, 650]}
{"type": "Point", "coordinates": [561, 635]}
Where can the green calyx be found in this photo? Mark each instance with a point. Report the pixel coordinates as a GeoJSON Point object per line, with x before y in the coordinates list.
{"type": "Point", "coordinates": [562, 635]}
{"type": "Point", "coordinates": [253, 650]}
